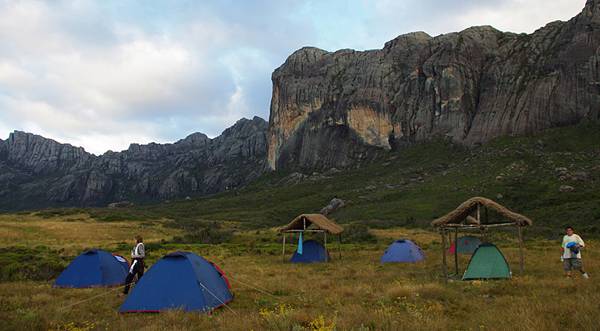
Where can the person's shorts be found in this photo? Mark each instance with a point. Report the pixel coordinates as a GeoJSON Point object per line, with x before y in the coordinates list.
{"type": "Point", "coordinates": [572, 264]}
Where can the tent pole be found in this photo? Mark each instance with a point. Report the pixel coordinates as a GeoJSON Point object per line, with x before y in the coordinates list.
{"type": "Point", "coordinates": [456, 251]}
{"type": "Point", "coordinates": [521, 256]}
{"type": "Point", "coordinates": [444, 269]}
{"type": "Point", "coordinates": [283, 250]}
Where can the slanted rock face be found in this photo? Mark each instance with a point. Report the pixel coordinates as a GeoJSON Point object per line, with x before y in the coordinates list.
{"type": "Point", "coordinates": [39, 172]}
{"type": "Point", "coordinates": [41, 155]}
{"type": "Point", "coordinates": [332, 109]}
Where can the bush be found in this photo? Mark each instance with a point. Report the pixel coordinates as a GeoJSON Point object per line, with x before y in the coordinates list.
{"type": "Point", "coordinates": [358, 233]}
{"type": "Point", "coordinates": [50, 213]}
{"type": "Point", "coordinates": [21, 263]}
{"type": "Point", "coordinates": [204, 235]}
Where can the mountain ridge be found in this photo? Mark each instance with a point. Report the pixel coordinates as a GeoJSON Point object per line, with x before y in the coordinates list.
{"type": "Point", "coordinates": [40, 172]}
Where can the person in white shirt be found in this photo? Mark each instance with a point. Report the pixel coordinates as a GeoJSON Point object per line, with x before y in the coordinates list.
{"type": "Point", "coordinates": [138, 254]}
{"type": "Point", "coordinates": [571, 253]}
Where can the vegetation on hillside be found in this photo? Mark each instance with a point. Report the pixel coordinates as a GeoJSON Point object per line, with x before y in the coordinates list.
{"type": "Point", "coordinates": [552, 177]}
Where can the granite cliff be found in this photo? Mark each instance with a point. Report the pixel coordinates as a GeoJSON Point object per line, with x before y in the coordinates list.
{"type": "Point", "coordinates": [333, 109]}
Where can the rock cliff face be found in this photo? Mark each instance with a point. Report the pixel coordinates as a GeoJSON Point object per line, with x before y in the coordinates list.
{"type": "Point", "coordinates": [334, 109]}
{"type": "Point", "coordinates": [39, 172]}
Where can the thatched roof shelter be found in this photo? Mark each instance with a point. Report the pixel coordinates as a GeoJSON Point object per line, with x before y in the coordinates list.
{"type": "Point", "coordinates": [312, 221]}
{"type": "Point", "coordinates": [468, 214]}
{"type": "Point", "coordinates": [468, 217]}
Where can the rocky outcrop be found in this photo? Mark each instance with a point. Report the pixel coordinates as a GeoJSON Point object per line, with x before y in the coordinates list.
{"type": "Point", "coordinates": [336, 108]}
{"type": "Point", "coordinates": [39, 172]}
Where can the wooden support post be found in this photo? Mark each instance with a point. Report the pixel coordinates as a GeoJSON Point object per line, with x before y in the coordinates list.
{"type": "Point", "coordinates": [521, 253]}
{"type": "Point", "coordinates": [479, 213]}
{"type": "Point", "coordinates": [487, 219]}
{"type": "Point", "coordinates": [283, 249]}
{"type": "Point", "coordinates": [340, 245]}
{"type": "Point", "coordinates": [456, 251]}
{"type": "Point", "coordinates": [325, 244]}
{"type": "Point", "coordinates": [444, 268]}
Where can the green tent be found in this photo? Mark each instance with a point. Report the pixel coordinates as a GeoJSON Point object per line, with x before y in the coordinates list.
{"type": "Point", "coordinates": [487, 263]}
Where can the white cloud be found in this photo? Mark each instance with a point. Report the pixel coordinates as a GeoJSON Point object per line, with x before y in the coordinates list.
{"type": "Point", "coordinates": [103, 74]}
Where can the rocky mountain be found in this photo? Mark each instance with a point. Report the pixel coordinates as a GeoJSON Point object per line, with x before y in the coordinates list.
{"type": "Point", "coordinates": [331, 109]}
{"type": "Point", "coordinates": [39, 172]}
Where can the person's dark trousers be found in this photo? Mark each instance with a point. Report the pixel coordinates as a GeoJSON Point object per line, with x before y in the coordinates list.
{"type": "Point", "coordinates": [137, 268]}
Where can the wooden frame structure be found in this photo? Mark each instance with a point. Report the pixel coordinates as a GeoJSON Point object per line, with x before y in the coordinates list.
{"type": "Point", "coordinates": [468, 217]}
{"type": "Point", "coordinates": [315, 223]}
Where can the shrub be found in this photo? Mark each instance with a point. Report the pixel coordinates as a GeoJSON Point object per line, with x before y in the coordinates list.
{"type": "Point", "coordinates": [204, 235]}
{"type": "Point", "coordinates": [358, 233]}
{"type": "Point", "coordinates": [22, 263]}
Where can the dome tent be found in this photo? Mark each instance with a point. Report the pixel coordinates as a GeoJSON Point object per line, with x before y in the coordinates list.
{"type": "Point", "coordinates": [312, 252]}
{"type": "Point", "coordinates": [487, 263]}
{"type": "Point", "coordinates": [93, 268]}
{"type": "Point", "coordinates": [403, 251]}
{"type": "Point", "coordinates": [180, 280]}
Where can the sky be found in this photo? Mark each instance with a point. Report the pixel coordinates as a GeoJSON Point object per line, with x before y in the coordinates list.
{"type": "Point", "coordinates": [103, 74]}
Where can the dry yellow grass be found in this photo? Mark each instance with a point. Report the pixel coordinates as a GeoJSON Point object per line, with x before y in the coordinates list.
{"type": "Point", "coordinates": [74, 231]}
{"type": "Point", "coordinates": [355, 293]}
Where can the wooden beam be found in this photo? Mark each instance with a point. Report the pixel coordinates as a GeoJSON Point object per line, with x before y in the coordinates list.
{"type": "Point", "coordinates": [521, 253]}
{"type": "Point", "coordinates": [325, 244]}
{"type": "Point", "coordinates": [340, 245]}
{"type": "Point", "coordinates": [474, 226]}
{"type": "Point", "coordinates": [444, 268]}
{"type": "Point", "coordinates": [487, 216]}
{"type": "Point", "coordinates": [456, 251]}
{"type": "Point", "coordinates": [283, 250]}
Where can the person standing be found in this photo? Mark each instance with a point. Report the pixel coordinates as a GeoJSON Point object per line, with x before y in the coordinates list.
{"type": "Point", "coordinates": [138, 254]}
{"type": "Point", "coordinates": [571, 252]}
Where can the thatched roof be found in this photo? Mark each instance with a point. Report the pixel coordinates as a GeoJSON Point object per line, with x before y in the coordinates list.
{"type": "Point", "coordinates": [316, 220]}
{"type": "Point", "coordinates": [463, 214]}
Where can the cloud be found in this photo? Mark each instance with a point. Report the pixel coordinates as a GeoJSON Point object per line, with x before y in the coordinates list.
{"type": "Point", "coordinates": [103, 74]}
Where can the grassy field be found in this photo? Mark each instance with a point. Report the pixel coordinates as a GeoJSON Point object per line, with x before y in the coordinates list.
{"type": "Point", "coordinates": [354, 293]}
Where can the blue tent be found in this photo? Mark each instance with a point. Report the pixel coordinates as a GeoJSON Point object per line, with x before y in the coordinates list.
{"type": "Point", "coordinates": [180, 280]}
{"type": "Point", "coordinates": [93, 268]}
{"type": "Point", "coordinates": [465, 245]}
{"type": "Point", "coordinates": [403, 251]}
{"type": "Point", "coordinates": [312, 251]}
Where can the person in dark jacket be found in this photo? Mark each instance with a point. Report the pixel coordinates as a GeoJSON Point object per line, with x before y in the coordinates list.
{"type": "Point", "coordinates": [138, 254]}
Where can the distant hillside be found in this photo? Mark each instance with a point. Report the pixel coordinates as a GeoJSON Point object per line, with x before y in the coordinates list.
{"type": "Point", "coordinates": [36, 172]}
{"type": "Point", "coordinates": [552, 177]}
